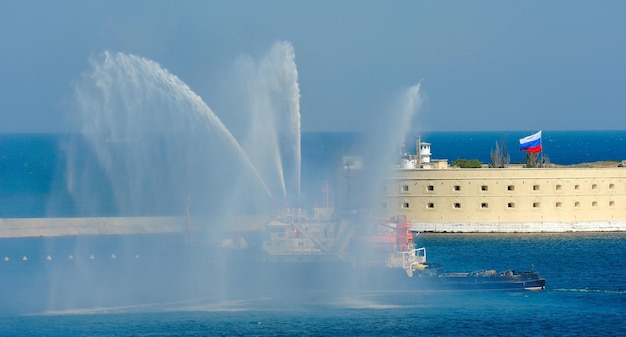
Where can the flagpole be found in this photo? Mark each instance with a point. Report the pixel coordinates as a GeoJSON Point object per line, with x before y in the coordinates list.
{"type": "Point", "coordinates": [541, 159]}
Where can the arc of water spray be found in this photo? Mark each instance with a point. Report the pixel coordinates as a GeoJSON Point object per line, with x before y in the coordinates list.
{"type": "Point", "coordinates": [273, 94]}
{"type": "Point", "coordinates": [212, 120]}
{"type": "Point", "coordinates": [288, 78]}
{"type": "Point", "coordinates": [412, 101]}
{"type": "Point", "coordinates": [398, 123]}
{"type": "Point", "coordinates": [134, 72]}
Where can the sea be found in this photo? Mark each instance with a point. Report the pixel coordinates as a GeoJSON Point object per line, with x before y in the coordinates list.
{"type": "Point", "coordinates": [585, 272]}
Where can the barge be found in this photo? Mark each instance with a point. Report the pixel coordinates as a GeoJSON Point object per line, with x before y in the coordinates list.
{"type": "Point", "coordinates": [432, 275]}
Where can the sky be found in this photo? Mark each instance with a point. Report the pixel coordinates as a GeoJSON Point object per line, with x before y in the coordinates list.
{"type": "Point", "coordinates": [482, 65]}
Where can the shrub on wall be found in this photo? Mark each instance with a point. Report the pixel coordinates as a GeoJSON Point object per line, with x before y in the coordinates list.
{"type": "Point", "coordinates": [467, 163]}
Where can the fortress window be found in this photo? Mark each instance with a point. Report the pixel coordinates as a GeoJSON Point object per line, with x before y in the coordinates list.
{"type": "Point", "coordinates": [484, 188]}
{"type": "Point", "coordinates": [558, 204]}
{"type": "Point", "coordinates": [430, 187]}
{"type": "Point", "coordinates": [611, 203]}
{"type": "Point", "coordinates": [535, 205]}
{"type": "Point", "coordinates": [457, 205]}
{"type": "Point", "coordinates": [594, 204]}
{"type": "Point", "coordinates": [484, 205]}
{"type": "Point", "coordinates": [430, 205]}
{"type": "Point", "coordinates": [511, 188]}
{"type": "Point", "coordinates": [510, 205]}
{"type": "Point", "coordinates": [405, 188]}
{"type": "Point", "coordinates": [405, 205]}
{"type": "Point", "coordinates": [611, 186]}
{"type": "Point", "coordinates": [457, 187]}
{"type": "Point", "coordinates": [576, 187]}
{"type": "Point", "coordinates": [558, 187]}
{"type": "Point", "coordinates": [577, 204]}
{"type": "Point", "coordinates": [594, 186]}
{"type": "Point", "coordinates": [535, 187]}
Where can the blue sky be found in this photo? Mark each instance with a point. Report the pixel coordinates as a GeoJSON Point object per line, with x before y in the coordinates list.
{"type": "Point", "coordinates": [484, 65]}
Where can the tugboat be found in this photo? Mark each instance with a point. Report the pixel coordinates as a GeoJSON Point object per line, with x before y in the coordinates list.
{"type": "Point", "coordinates": [428, 274]}
{"type": "Point", "coordinates": [383, 257]}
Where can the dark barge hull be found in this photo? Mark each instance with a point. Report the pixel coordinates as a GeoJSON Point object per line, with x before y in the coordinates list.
{"type": "Point", "coordinates": [523, 281]}
{"type": "Point", "coordinates": [509, 280]}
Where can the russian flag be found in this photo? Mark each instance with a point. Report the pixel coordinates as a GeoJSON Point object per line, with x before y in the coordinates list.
{"type": "Point", "coordinates": [531, 143]}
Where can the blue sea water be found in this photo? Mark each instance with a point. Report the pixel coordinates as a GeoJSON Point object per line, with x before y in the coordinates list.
{"type": "Point", "coordinates": [585, 295]}
{"type": "Point", "coordinates": [586, 273]}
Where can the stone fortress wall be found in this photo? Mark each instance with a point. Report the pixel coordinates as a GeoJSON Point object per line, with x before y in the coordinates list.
{"type": "Point", "coordinates": [508, 199]}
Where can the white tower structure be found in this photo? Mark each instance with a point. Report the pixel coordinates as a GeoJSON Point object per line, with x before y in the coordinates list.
{"type": "Point", "coordinates": [424, 152]}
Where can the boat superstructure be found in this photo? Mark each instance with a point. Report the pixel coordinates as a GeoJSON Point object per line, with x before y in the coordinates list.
{"type": "Point", "coordinates": [295, 235]}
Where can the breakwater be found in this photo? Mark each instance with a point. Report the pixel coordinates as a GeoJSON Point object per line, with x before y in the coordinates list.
{"type": "Point", "coordinates": [48, 227]}
{"type": "Point", "coordinates": [51, 227]}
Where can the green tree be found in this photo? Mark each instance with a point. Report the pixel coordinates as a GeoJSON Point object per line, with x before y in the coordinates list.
{"type": "Point", "coordinates": [467, 163]}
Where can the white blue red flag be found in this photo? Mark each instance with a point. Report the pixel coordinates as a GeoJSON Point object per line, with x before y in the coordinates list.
{"type": "Point", "coordinates": [531, 143]}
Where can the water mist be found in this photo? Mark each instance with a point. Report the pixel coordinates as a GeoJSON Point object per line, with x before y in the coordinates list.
{"type": "Point", "coordinates": [269, 87]}
{"type": "Point", "coordinates": [152, 136]}
{"type": "Point", "coordinates": [147, 143]}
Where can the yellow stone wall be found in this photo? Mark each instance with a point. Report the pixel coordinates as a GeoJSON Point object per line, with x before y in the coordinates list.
{"type": "Point", "coordinates": [509, 195]}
